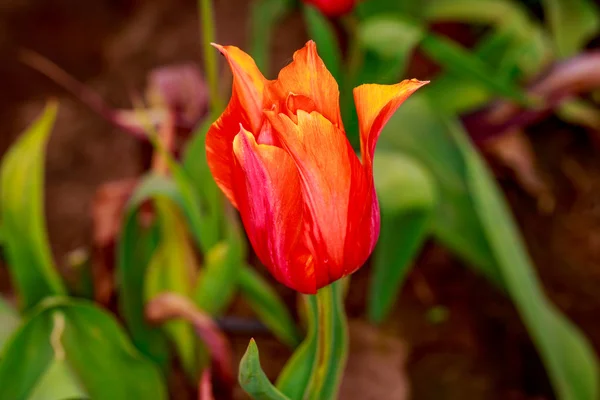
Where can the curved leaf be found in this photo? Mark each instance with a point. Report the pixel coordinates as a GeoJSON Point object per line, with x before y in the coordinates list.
{"type": "Point", "coordinates": [172, 269]}
{"type": "Point", "coordinates": [22, 213]}
{"type": "Point", "coordinates": [567, 354]}
{"type": "Point", "coordinates": [252, 378]}
{"type": "Point", "coordinates": [90, 342]}
{"type": "Point", "coordinates": [407, 197]}
{"type": "Point", "coordinates": [135, 249]}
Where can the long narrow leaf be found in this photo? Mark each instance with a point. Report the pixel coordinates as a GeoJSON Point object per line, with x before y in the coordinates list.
{"type": "Point", "coordinates": [567, 354]}
{"type": "Point", "coordinates": [21, 200]}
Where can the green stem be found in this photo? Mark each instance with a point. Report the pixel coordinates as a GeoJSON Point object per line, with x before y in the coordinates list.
{"type": "Point", "coordinates": [207, 27]}
{"type": "Point", "coordinates": [332, 343]}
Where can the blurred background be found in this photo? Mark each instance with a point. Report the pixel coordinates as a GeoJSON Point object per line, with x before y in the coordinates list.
{"type": "Point", "coordinates": [450, 333]}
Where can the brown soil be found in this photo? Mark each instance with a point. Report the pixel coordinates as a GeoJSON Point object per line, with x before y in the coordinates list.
{"type": "Point", "coordinates": [480, 351]}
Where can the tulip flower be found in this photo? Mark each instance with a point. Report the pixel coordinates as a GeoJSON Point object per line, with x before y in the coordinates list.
{"type": "Point", "coordinates": [333, 8]}
{"type": "Point", "coordinates": [280, 154]}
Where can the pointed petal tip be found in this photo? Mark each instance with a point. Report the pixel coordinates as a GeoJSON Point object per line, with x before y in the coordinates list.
{"type": "Point", "coordinates": [218, 47]}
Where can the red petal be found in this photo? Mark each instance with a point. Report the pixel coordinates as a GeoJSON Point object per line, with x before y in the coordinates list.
{"type": "Point", "coordinates": [307, 77]}
{"type": "Point", "coordinates": [245, 107]}
{"type": "Point", "coordinates": [375, 104]}
{"type": "Point", "coordinates": [329, 171]}
{"type": "Point", "coordinates": [267, 187]}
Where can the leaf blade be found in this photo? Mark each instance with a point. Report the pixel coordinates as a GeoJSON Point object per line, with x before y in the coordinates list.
{"type": "Point", "coordinates": [23, 224]}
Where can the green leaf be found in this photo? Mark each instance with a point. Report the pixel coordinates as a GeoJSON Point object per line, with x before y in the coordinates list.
{"type": "Point", "coordinates": [202, 224]}
{"type": "Point", "coordinates": [407, 197]}
{"type": "Point", "coordinates": [90, 342]}
{"type": "Point", "coordinates": [9, 321]}
{"type": "Point", "coordinates": [265, 15]}
{"type": "Point", "coordinates": [135, 249]}
{"type": "Point", "coordinates": [58, 383]}
{"type": "Point", "coordinates": [295, 378]}
{"type": "Point", "coordinates": [22, 214]}
{"type": "Point", "coordinates": [171, 269]}
{"type": "Point", "coordinates": [252, 378]}
{"type": "Point", "coordinates": [195, 166]}
{"type": "Point", "coordinates": [216, 283]}
{"type": "Point", "coordinates": [389, 36]}
{"type": "Point", "coordinates": [568, 356]}
{"type": "Point", "coordinates": [268, 306]}
{"type": "Point", "coordinates": [496, 12]}
{"type": "Point", "coordinates": [418, 129]}
{"type": "Point", "coordinates": [474, 221]}
{"type": "Point", "coordinates": [518, 46]}
{"type": "Point", "coordinates": [463, 63]}
{"type": "Point", "coordinates": [322, 32]}
{"type": "Point", "coordinates": [332, 345]}
{"type": "Point", "coordinates": [572, 23]}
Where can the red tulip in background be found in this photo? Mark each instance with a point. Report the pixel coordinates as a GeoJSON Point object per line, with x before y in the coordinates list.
{"type": "Point", "coordinates": [280, 154]}
{"type": "Point", "coordinates": [333, 8]}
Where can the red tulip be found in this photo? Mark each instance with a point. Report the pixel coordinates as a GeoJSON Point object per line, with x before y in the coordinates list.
{"type": "Point", "coordinates": [280, 154]}
{"type": "Point", "coordinates": [333, 8]}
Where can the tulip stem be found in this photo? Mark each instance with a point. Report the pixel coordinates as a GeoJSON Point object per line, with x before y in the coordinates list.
{"type": "Point", "coordinates": [332, 344]}
{"type": "Point", "coordinates": [206, 18]}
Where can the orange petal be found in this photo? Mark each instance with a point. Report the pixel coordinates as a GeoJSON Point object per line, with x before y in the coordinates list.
{"type": "Point", "coordinates": [248, 85]}
{"type": "Point", "coordinates": [245, 107]}
{"type": "Point", "coordinates": [329, 170]}
{"type": "Point", "coordinates": [375, 104]}
{"type": "Point", "coordinates": [308, 77]}
{"type": "Point", "coordinates": [267, 187]}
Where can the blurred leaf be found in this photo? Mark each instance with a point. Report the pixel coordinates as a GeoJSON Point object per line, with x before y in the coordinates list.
{"type": "Point", "coordinates": [333, 352]}
{"type": "Point", "coordinates": [496, 12]}
{"type": "Point", "coordinates": [58, 383]}
{"type": "Point", "coordinates": [22, 214]}
{"type": "Point", "coordinates": [168, 306]}
{"type": "Point", "coordinates": [135, 250]}
{"type": "Point", "coordinates": [252, 378]}
{"type": "Point", "coordinates": [195, 166]}
{"type": "Point", "coordinates": [295, 378]}
{"type": "Point", "coordinates": [573, 23]}
{"type": "Point", "coordinates": [407, 198]}
{"type": "Point", "coordinates": [265, 15]}
{"type": "Point", "coordinates": [268, 306]}
{"type": "Point", "coordinates": [323, 33]}
{"type": "Point", "coordinates": [418, 130]}
{"type": "Point", "coordinates": [197, 213]}
{"type": "Point", "coordinates": [369, 8]}
{"type": "Point", "coordinates": [568, 356]}
{"type": "Point", "coordinates": [216, 282]}
{"type": "Point", "coordinates": [9, 321]}
{"type": "Point", "coordinates": [461, 62]}
{"type": "Point", "coordinates": [389, 36]}
{"type": "Point", "coordinates": [171, 269]}
{"type": "Point", "coordinates": [89, 342]}
{"type": "Point", "coordinates": [516, 49]}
